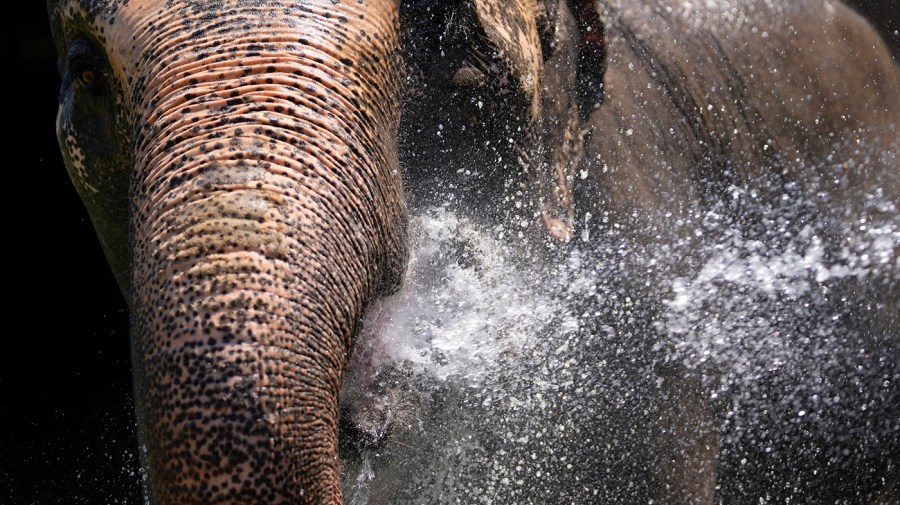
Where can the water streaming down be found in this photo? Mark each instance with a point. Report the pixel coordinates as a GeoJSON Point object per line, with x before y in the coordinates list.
{"type": "Point", "coordinates": [495, 378]}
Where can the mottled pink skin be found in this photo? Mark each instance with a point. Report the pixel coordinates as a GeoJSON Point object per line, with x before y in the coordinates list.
{"type": "Point", "coordinates": [262, 222]}
{"type": "Point", "coordinates": [244, 181]}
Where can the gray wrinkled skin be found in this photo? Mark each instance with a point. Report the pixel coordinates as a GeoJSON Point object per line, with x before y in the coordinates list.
{"type": "Point", "coordinates": [403, 252]}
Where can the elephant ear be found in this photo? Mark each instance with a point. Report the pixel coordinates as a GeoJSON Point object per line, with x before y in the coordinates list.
{"type": "Point", "coordinates": [556, 54]}
{"type": "Point", "coordinates": [573, 89]}
{"type": "Point", "coordinates": [512, 28]}
{"type": "Point", "coordinates": [555, 50]}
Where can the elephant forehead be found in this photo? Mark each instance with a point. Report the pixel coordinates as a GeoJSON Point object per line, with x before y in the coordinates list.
{"type": "Point", "coordinates": [93, 8]}
{"type": "Point", "coordinates": [112, 12]}
{"type": "Point", "coordinates": [114, 23]}
{"type": "Point", "coordinates": [136, 33]}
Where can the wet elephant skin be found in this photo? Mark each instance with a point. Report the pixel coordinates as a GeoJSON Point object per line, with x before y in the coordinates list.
{"type": "Point", "coordinates": [217, 317]}
{"type": "Point", "coordinates": [250, 167]}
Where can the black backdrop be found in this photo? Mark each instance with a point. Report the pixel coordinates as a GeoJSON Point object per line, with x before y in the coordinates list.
{"type": "Point", "coordinates": [66, 421]}
{"type": "Point", "coordinates": [885, 15]}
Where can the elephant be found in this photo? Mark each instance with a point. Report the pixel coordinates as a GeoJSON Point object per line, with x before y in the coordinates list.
{"type": "Point", "coordinates": [658, 193]}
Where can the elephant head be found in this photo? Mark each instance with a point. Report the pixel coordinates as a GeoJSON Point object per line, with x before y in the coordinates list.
{"type": "Point", "coordinates": [241, 165]}
{"type": "Point", "coordinates": [250, 168]}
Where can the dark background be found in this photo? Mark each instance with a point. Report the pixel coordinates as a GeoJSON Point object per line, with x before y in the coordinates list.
{"type": "Point", "coordinates": [66, 420]}
{"type": "Point", "coordinates": [65, 380]}
{"type": "Point", "coordinates": [885, 15]}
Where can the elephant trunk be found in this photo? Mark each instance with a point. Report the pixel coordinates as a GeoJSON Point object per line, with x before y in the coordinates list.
{"type": "Point", "coordinates": [266, 212]}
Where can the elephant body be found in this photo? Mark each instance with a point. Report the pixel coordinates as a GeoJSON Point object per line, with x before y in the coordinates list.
{"type": "Point", "coordinates": [485, 252]}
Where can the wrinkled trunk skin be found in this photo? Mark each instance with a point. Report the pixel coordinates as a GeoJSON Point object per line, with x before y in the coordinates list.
{"type": "Point", "coordinates": [266, 212]}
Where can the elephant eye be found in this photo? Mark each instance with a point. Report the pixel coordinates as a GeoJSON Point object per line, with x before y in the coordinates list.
{"type": "Point", "coordinates": [88, 76]}
{"type": "Point", "coordinates": [83, 65]}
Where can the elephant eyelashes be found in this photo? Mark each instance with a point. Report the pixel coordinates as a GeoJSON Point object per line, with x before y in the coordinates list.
{"type": "Point", "coordinates": [82, 66]}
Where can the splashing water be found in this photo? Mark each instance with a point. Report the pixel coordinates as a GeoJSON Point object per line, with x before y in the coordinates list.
{"type": "Point", "coordinates": [464, 306]}
{"type": "Point", "coordinates": [493, 377]}
{"type": "Point", "coordinates": [480, 332]}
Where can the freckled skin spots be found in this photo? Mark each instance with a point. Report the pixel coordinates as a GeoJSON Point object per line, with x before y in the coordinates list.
{"type": "Point", "coordinates": [251, 259]}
